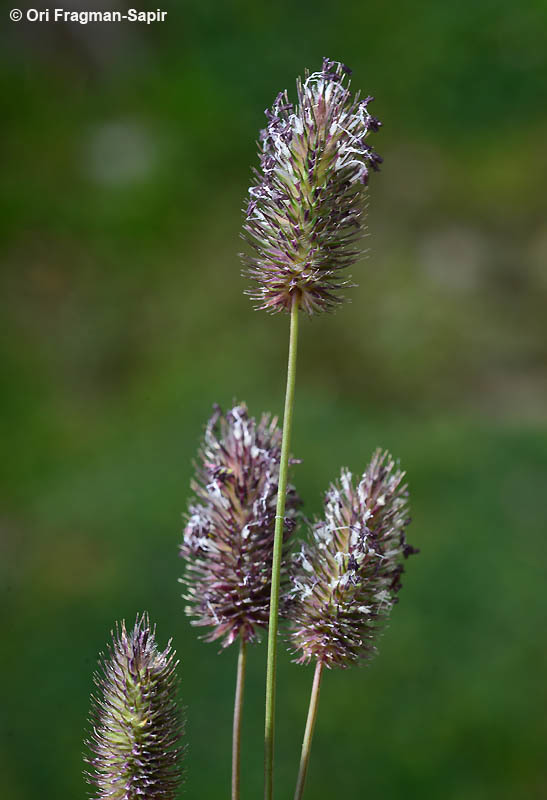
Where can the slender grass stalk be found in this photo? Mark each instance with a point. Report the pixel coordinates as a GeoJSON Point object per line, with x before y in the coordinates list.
{"type": "Point", "coordinates": [308, 733]}
{"type": "Point", "coordinates": [238, 708]}
{"type": "Point", "coordinates": [277, 551]}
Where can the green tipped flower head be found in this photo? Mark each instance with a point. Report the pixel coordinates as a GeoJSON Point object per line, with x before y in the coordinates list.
{"type": "Point", "coordinates": [346, 579]}
{"type": "Point", "coordinates": [136, 726]}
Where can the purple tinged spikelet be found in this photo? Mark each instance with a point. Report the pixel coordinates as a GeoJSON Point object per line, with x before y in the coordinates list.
{"type": "Point", "coordinates": [229, 532]}
{"type": "Point", "coordinates": [136, 726]}
{"type": "Point", "coordinates": [305, 216]}
{"type": "Point", "coordinates": [346, 579]}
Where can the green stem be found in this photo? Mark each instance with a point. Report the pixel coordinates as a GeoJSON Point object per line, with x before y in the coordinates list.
{"type": "Point", "coordinates": [277, 553]}
{"type": "Point", "coordinates": [238, 707]}
{"type": "Point", "coordinates": [308, 734]}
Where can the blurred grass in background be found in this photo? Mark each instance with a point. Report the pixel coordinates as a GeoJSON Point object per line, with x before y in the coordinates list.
{"type": "Point", "coordinates": [127, 156]}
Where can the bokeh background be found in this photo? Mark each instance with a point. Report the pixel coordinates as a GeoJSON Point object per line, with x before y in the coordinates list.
{"type": "Point", "coordinates": [127, 155]}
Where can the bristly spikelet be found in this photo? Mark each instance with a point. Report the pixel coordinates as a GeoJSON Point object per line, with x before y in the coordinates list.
{"type": "Point", "coordinates": [345, 580]}
{"type": "Point", "coordinates": [136, 726]}
{"type": "Point", "coordinates": [229, 532]}
{"type": "Point", "coordinates": [305, 216]}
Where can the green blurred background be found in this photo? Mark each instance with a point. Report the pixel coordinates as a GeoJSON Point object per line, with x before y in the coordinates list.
{"type": "Point", "coordinates": [127, 157]}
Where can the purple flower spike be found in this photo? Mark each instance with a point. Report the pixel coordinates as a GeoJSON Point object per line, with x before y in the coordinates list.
{"type": "Point", "coordinates": [345, 581]}
{"type": "Point", "coordinates": [229, 533]}
{"type": "Point", "coordinates": [136, 727]}
{"type": "Point", "coordinates": [305, 216]}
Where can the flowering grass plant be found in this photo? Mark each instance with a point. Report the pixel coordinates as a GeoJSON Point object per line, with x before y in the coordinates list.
{"type": "Point", "coordinates": [243, 572]}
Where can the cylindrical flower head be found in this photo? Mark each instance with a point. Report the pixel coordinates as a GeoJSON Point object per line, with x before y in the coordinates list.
{"type": "Point", "coordinates": [229, 533]}
{"type": "Point", "coordinates": [136, 726]}
{"type": "Point", "coordinates": [305, 217]}
{"type": "Point", "coordinates": [345, 580]}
